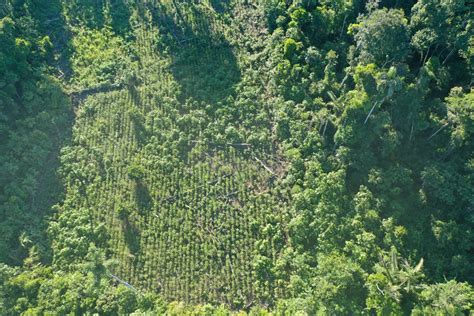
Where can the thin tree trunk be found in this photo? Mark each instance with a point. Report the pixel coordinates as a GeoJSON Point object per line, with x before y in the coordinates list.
{"type": "Point", "coordinates": [426, 56]}
{"type": "Point", "coordinates": [449, 55]}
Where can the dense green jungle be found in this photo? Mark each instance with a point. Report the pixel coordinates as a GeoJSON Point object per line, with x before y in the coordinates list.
{"type": "Point", "coordinates": [236, 157]}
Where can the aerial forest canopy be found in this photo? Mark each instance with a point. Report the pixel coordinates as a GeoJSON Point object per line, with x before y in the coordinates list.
{"type": "Point", "coordinates": [271, 157]}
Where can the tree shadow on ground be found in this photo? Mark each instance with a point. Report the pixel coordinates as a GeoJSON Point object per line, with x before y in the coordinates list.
{"type": "Point", "coordinates": [89, 13]}
{"type": "Point", "coordinates": [120, 14]}
{"type": "Point", "coordinates": [144, 200]}
{"type": "Point", "coordinates": [93, 14]}
{"type": "Point", "coordinates": [204, 63]}
{"type": "Point", "coordinates": [220, 5]}
{"type": "Point", "coordinates": [132, 237]}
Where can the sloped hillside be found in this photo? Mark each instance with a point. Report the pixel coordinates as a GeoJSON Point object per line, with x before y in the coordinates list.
{"type": "Point", "coordinates": [210, 157]}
